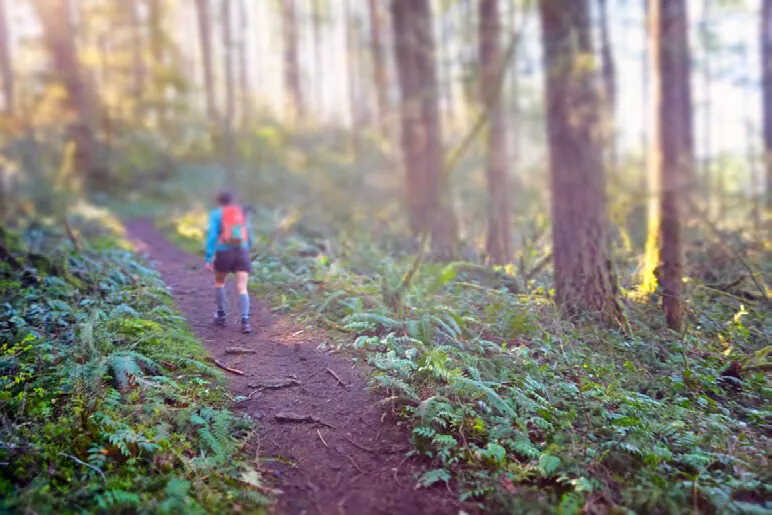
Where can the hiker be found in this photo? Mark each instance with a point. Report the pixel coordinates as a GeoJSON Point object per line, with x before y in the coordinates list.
{"type": "Point", "coordinates": [227, 251]}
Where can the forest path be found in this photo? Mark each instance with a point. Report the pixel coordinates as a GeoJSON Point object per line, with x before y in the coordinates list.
{"type": "Point", "coordinates": [355, 467]}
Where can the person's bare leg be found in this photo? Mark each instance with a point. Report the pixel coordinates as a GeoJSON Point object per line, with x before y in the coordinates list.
{"type": "Point", "coordinates": [242, 278]}
{"type": "Point", "coordinates": [219, 295]}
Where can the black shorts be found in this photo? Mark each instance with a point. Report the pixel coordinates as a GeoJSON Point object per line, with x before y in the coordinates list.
{"type": "Point", "coordinates": [231, 260]}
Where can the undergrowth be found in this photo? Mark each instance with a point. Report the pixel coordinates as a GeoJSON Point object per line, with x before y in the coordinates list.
{"type": "Point", "coordinates": [521, 409]}
{"type": "Point", "coordinates": [107, 403]}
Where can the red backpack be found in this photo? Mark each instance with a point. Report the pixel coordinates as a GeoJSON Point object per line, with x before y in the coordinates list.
{"type": "Point", "coordinates": [233, 227]}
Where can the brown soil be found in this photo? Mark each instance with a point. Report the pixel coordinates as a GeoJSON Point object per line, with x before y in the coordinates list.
{"type": "Point", "coordinates": [357, 466]}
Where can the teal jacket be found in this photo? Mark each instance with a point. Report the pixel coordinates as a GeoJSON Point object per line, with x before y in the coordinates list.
{"type": "Point", "coordinates": [213, 235]}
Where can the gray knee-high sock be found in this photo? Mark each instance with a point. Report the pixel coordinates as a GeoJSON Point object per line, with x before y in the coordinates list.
{"type": "Point", "coordinates": [244, 305]}
{"type": "Point", "coordinates": [219, 295]}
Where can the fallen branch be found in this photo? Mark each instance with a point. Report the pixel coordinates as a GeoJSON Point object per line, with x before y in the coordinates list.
{"type": "Point", "coordinates": [276, 385]}
{"type": "Point", "coordinates": [239, 350]}
{"type": "Point", "coordinates": [322, 438]}
{"type": "Point", "coordinates": [292, 417]}
{"type": "Point", "coordinates": [89, 465]}
{"type": "Point", "coordinates": [228, 369]}
{"type": "Point", "coordinates": [71, 234]}
{"type": "Point", "coordinates": [358, 446]}
{"type": "Point", "coordinates": [351, 460]}
{"type": "Point", "coordinates": [333, 374]}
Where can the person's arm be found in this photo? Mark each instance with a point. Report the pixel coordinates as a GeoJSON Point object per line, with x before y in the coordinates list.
{"type": "Point", "coordinates": [212, 234]}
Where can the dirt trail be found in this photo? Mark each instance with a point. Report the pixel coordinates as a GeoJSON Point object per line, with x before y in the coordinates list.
{"type": "Point", "coordinates": [357, 466]}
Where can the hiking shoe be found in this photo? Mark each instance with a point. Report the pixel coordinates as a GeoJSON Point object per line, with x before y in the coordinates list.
{"type": "Point", "coordinates": [245, 327]}
{"type": "Point", "coordinates": [219, 319]}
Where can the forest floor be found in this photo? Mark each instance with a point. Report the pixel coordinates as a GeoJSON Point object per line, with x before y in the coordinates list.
{"type": "Point", "coordinates": [348, 457]}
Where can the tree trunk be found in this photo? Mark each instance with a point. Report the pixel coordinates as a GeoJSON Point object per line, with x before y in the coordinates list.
{"type": "Point", "coordinates": [379, 67]}
{"type": "Point", "coordinates": [157, 45]}
{"type": "Point", "coordinates": [352, 72]}
{"type": "Point", "coordinates": [583, 275]}
{"type": "Point", "coordinates": [59, 38]}
{"type": "Point", "coordinates": [204, 25]}
{"type": "Point", "coordinates": [609, 83]}
{"type": "Point", "coordinates": [766, 66]}
{"type": "Point", "coordinates": [498, 242]}
{"type": "Point", "coordinates": [138, 63]}
{"type": "Point", "coordinates": [6, 74]}
{"type": "Point", "coordinates": [291, 64]}
{"type": "Point", "coordinates": [245, 98]}
{"type": "Point", "coordinates": [428, 202]}
{"type": "Point", "coordinates": [316, 27]}
{"type": "Point", "coordinates": [227, 121]}
{"type": "Point", "coordinates": [671, 151]}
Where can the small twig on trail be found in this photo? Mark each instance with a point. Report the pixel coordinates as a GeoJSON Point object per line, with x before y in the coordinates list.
{"type": "Point", "coordinates": [322, 438]}
{"type": "Point", "coordinates": [239, 350]}
{"type": "Point", "coordinates": [358, 446]}
{"type": "Point", "coordinates": [275, 386]}
{"type": "Point", "coordinates": [333, 374]}
{"type": "Point", "coordinates": [251, 396]}
{"type": "Point", "coordinates": [89, 465]}
{"type": "Point", "coordinates": [351, 460]}
{"type": "Point", "coordinates": [292, 417]}
{"type": "Point", "coordinates": [228, 369]}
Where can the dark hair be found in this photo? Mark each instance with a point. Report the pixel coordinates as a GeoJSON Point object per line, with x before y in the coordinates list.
{"type": "Point", "coordinates": [224, 198]}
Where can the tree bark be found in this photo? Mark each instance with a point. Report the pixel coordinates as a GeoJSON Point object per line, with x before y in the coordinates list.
{"type": "Point", "coordinates": [204, 27]}
{"type": "Point", "coordinates": [6, 73]}
{"type": "Point", "coordinates": [380, 71]}
{"type": "Point", "coordinates": [425, 183]}
{"type": "Point", "coordinates": [583, 274]}
{"type": "Point", "coordinates": [291, 64]}
{"type": "Point", "coordinates": [671, 158]}
{"type": "Point", "coordinates": [609, 83]}
{"type": "Point", "coordinates": [766, 66]}
{"type": "Point", "coordinates": [59, 38]}
{"type": "Point", "coordinates": [498, 241]}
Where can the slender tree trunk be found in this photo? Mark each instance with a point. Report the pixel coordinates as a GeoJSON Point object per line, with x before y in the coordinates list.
{"type": "Point", "coordinates": [707, 122]}
{"type": "Point", "coordinates": [514, 115]}
{"type": "Point", "coordinates": [204, 31]}
{"type": "Point", "coordinates": [428, 201]}
{"type": "Point", "coordinates": [609, 83]}
{"type": "Point", "coordinates": [498, 242]}
{"type": "Point", "coordinates": [157, 45]}
{"type": "Point", "coordinates": [316, 10]}
{"type": "Point", "coordinates": [446, 71]}
{"type": "Point", "coordinates": [228, 146]}
{"type": "Point", "coordinates": [583, 274]}
{"type": "Point", "coordinates": [352, 71]}
{"type": "Point", "coordinates": [766, 66]}
{"type": "Point", "coordinates": [245, 98]}
{"type": "Point", "coordinates": [291, 64]}
{"type": "Point", "coordinates": [58, 34]}
{"type": "Point", "coordinates": [671, 158]}
{"type": "Point", "coordinates": [6, 74]}
{"type": "Point", "coordinates": [138, 63]}
{"type": "Point", "coordinates": [380, 71]}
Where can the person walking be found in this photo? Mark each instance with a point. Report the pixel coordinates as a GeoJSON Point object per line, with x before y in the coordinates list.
{"type": "Point", "coordinates": [227, 251]}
